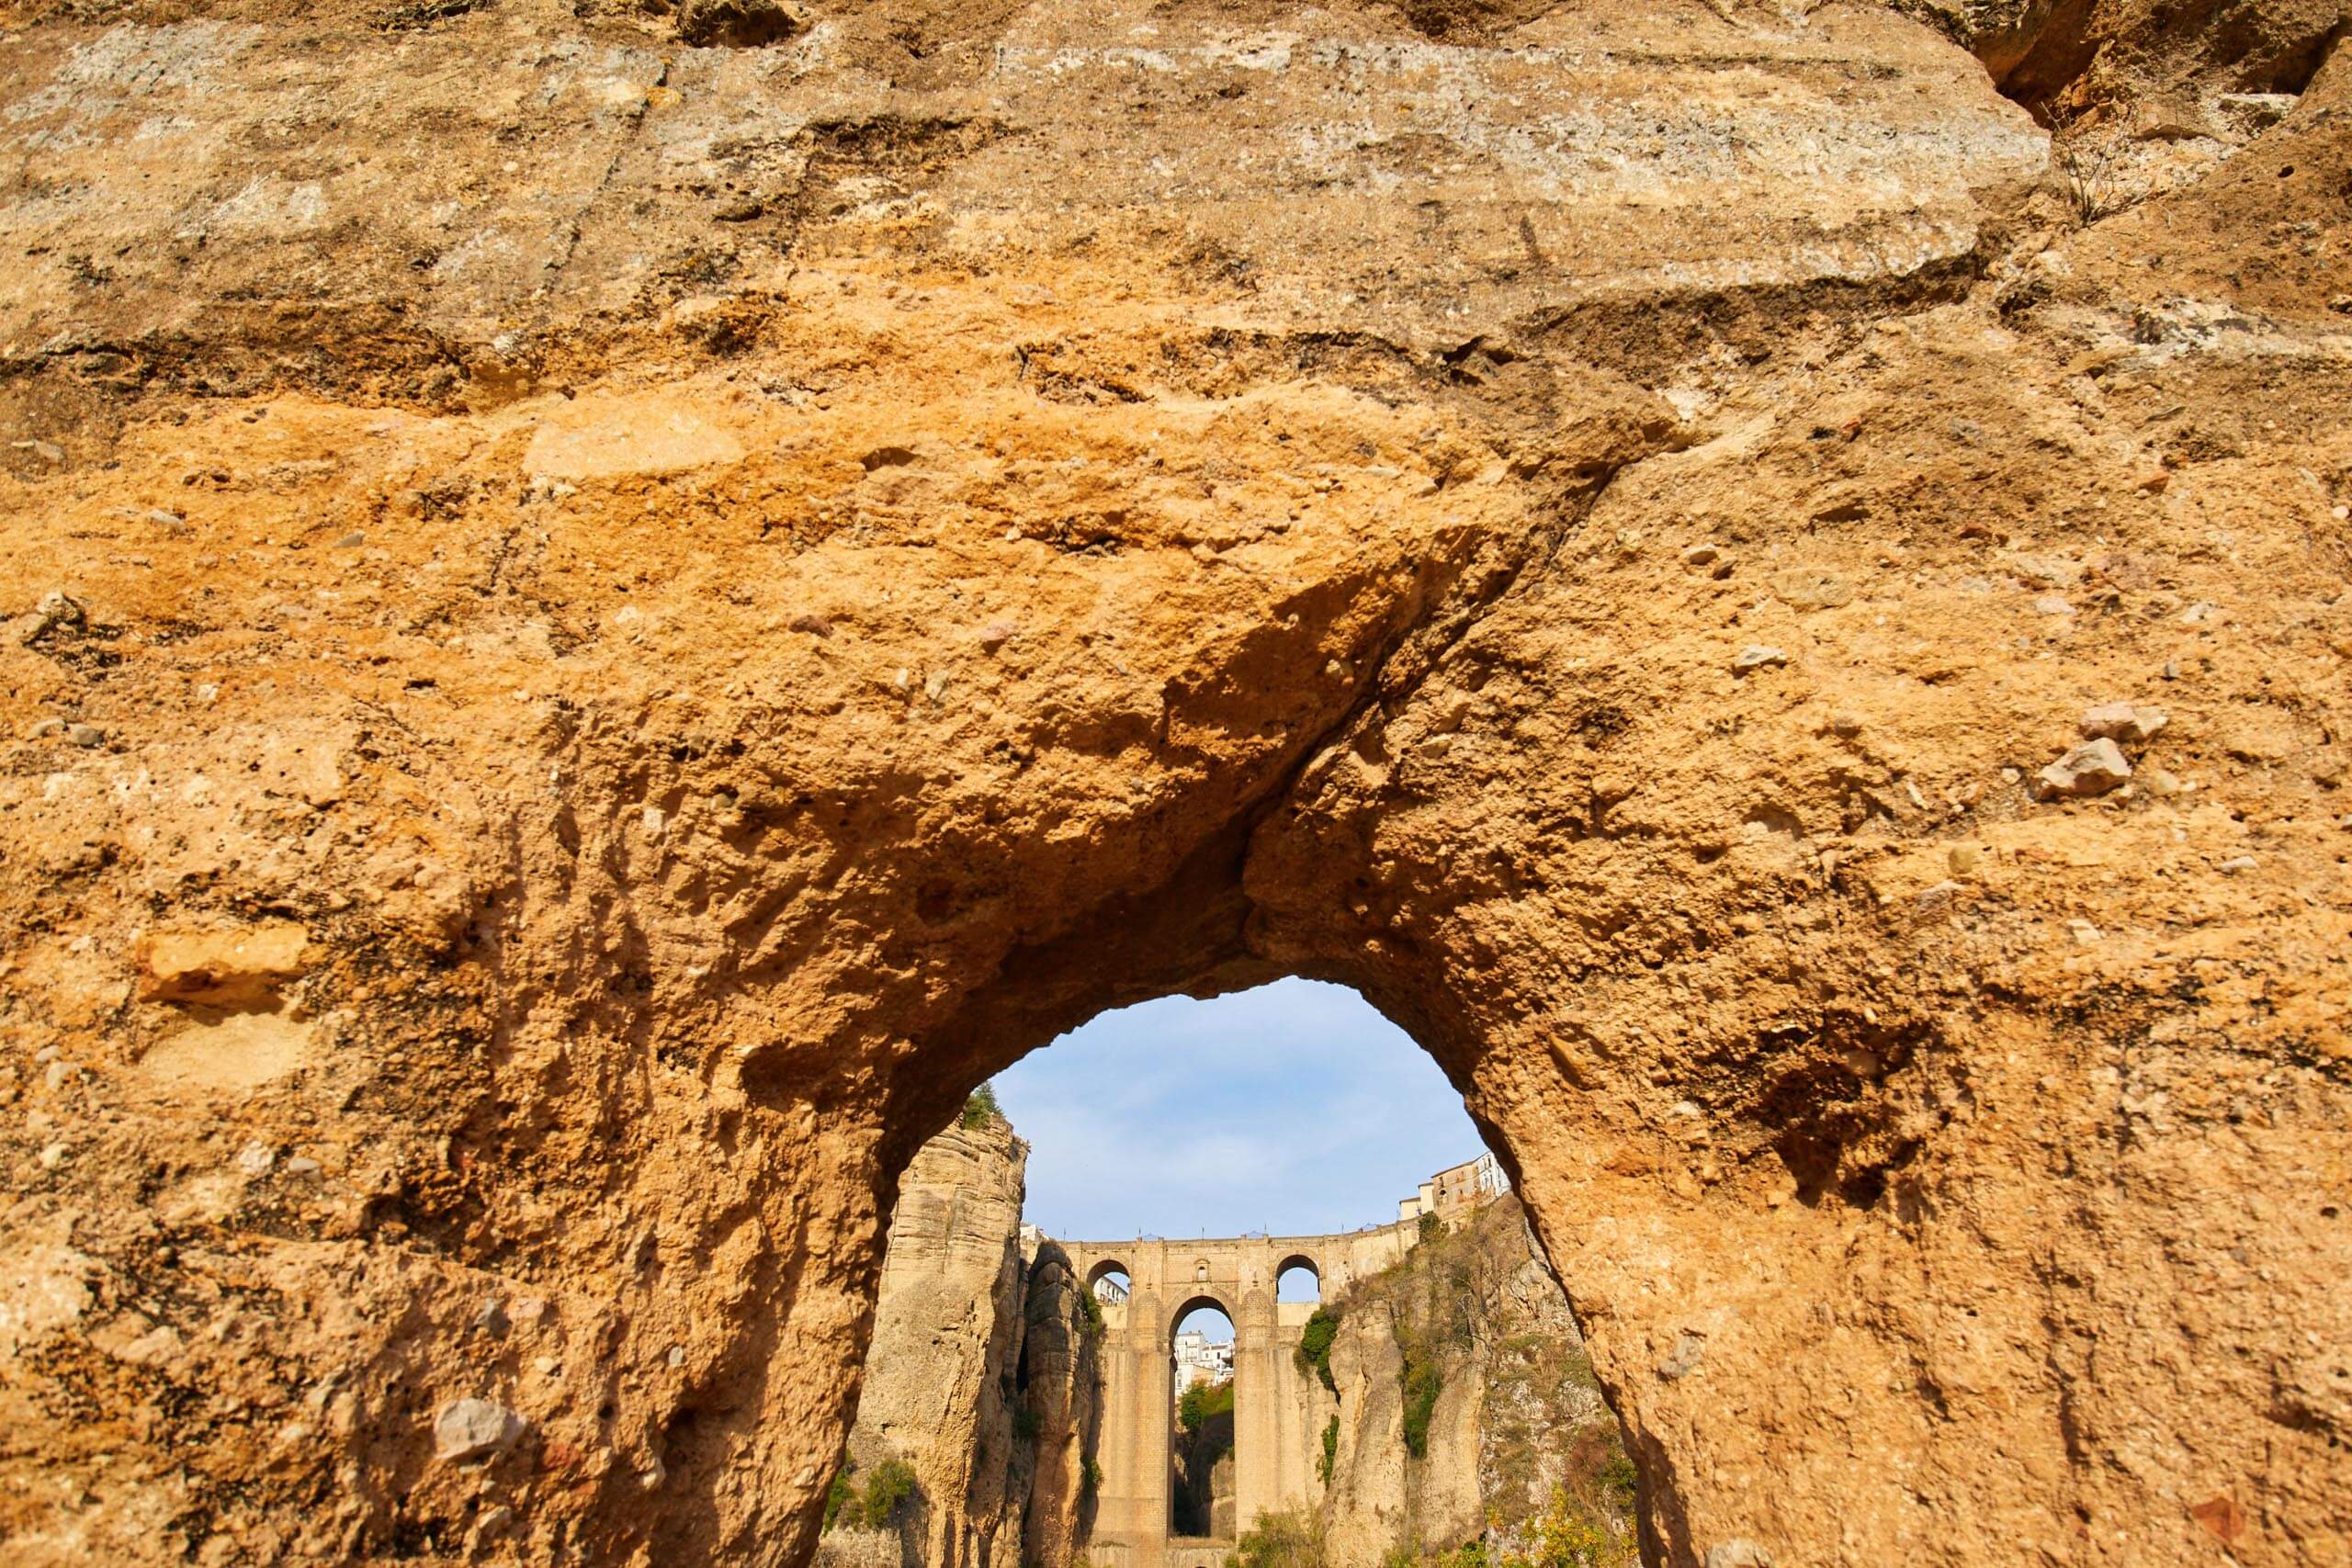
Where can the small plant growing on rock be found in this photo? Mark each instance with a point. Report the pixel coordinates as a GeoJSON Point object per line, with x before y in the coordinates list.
{"type": "Point", "coordinates": [1291, 1539]}
{"type": "Point", "coordinates": [887, 1490]}
{"type": "Point", "coordinates": [980, 1109]}
{"type": "Point", "coordinates": [842, 1493]}
{"type": "Point", "coordinates": [1423, 1382]}
{"type": "Point", "coordinates": [2090, 183]}
{"type": "Point", "coordinates": [1315, 1345]}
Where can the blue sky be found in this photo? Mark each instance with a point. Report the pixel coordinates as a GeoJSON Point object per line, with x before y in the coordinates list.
{"type": "Point", "coordinates": [1293, 1108]}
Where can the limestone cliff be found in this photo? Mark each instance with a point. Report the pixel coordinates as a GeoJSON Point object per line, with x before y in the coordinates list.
{"type": "Point", "coordinates": [608, 607]}
{"type": "Point", "coordinates": [1463, 1400]}
{"type": "Point", "coordinates": [938, 1393]}
{"type": "Point", "coordinates": [1061, 1392]}
{"type": "Point", "coordinates": [978, 1378]}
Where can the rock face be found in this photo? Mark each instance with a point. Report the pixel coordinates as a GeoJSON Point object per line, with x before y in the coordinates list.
{"type": "Point", "coordinates": [1203, 1489]}
{"type": "Point", "coordinates": [980, 1377]}
{"type": "Point", "coordinates": [1061, 1384]}
{"type": "Point", "coordinates": [940, 1390]}
{"type": "Point", "coordinates": [1517, 1412]}
{"type": "Point", "coordinates": [729, 592]}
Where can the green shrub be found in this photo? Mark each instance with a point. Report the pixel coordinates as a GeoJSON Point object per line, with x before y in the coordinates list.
{"type": "Point", "coordinates": [1315, 1345]}
{"type": "Point", "coordinates": [1090, 1478]}
{"type": "Point", "coordinates": [1293, 1540]}
{"type": "Point", "coordinates": [1025, 1424]}
{"type": "Point", "coordinates": [887, 1490]}
{"type": "Point", "coordinates": [981, 1109]}
{"type": "Point", "coordinates": [1423, 1380]}
{"type": "Point", "coordinates": [1618, 1482]}
{"type": "Point", "coordinates": [842, 1493]}
{"type": "Point", "coordinates": [1331, 1451]}
{"type": "Point", "coordinates": [1203, 1401]}
{"type": "Point", "coordinates": [1089, 1311]}
{"type": "Point", "coordinates": [1431, 1228]}
{"type": "Point", "coordinates": [1568, 1536]}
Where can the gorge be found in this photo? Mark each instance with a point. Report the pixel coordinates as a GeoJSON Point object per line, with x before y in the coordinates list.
{"type": "Point", "coordinates": [1446, 1402]}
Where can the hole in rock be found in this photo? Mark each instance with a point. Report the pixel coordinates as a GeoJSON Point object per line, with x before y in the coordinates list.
{"type": "Point", "coordinates": [1274, 1281]}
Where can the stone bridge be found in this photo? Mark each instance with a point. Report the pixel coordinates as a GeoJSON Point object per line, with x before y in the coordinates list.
{"type": "Point", "coordinates": [1278, 1412]}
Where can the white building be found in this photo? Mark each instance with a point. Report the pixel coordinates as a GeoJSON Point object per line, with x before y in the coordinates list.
{"type": "Point", "coordinates": [1457, 1188]}
{"type": "Point", "coordinates": [1197, 1360]}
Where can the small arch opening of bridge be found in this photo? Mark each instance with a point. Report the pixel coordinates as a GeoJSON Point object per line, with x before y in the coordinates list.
{"type": "Point", "coordinates": [1109, 1283]}
{"type": "Point", "coordinates": [1206, 1416]}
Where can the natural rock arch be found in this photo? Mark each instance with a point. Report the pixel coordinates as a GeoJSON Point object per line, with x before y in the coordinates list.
{"type": "Point", "coordinates": [558, 735]}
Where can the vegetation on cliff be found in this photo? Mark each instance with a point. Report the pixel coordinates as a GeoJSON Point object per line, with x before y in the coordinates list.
{"type": "Point", "coordinates": [875, 1504]}
{"type": "Point", "coordinates": [1314, 1344]}
{"type": "Point", "coordinates": [1203, 1402]}
{"type": "Point", "coordinates": [1292, 1539]}
{"type": "Point", "coordinates": [1471, 1314]}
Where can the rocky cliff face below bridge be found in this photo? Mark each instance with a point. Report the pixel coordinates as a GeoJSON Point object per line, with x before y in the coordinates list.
{"type": "Point", "coordinates": [980, 1379]}
{"type": "Point", "coordinates": [601, 623]}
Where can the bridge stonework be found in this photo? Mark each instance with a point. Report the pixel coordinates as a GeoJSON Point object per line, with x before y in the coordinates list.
{"type": "Point", "coordinates": [1278, 1411]}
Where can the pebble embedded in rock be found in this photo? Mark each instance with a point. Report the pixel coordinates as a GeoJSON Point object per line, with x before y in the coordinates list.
{"type": "Point", "coordinates": [2237, 863]}
{"type": "Point", "coordinates": [57, 608]}
{"type": "Point", "coordinates": [1755, 656]}
{"type": "Point", "coordinates": [2052, 605]}
{"type": "Point", "coordinates": [2093, 768]}
{"type": "Point", "coordinates": [2124, 721]}
{"type": "Point", "coordinates": [86, 735]}
{"type": "Point", "coordinates": [1739, 1554]}
{"type": "Point", "coordinates": [1812, 587]}
{"type": "Point", "coordinates": [1684, 1360]}
{"type": "Point", "coordinates": [467, 1428]}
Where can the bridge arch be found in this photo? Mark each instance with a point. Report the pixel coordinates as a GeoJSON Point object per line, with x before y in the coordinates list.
{"type": "Point", "coordinates": [1194, 1303]}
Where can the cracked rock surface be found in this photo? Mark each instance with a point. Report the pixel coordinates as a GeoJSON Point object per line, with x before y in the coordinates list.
{"type": "Point", "coordinates": [600, 628]}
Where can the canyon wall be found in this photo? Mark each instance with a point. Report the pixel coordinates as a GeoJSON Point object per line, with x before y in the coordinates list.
{"type": "Point", "coordinates": [978, 1378]}
{"type": "Point", "coordinates": [1475, 1316]}
{"type": "Point", "coordinates": [939, 1389]}
{"type": "Point", "coordinates": [607, 608]}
